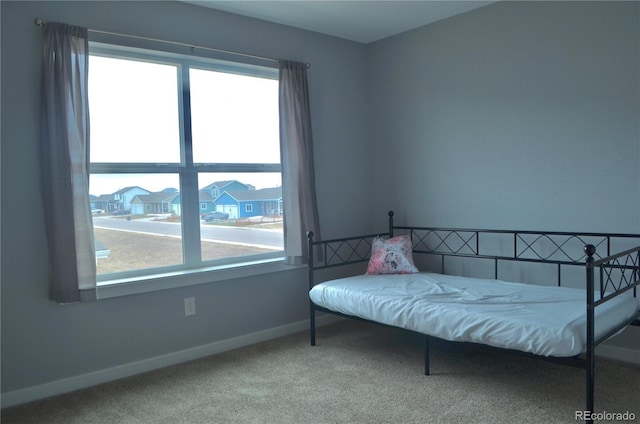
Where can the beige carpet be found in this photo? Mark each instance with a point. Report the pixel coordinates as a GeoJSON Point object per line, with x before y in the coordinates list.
{"type": "Point", "coordinates": [358, 373]}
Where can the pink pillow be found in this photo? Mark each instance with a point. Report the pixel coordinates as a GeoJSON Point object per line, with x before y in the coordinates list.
{"type": "Point", "coordinates": [391, 256]}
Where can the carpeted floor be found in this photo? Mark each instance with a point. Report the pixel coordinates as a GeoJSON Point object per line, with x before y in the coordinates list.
{"type": "Point", "coordinates": [357, 373]}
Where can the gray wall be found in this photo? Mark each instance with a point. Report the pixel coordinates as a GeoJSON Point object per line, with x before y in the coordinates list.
{"type": "Point", "coordinates": [516, 115]}
{"type": "Point", "coordinates": [43, 342]}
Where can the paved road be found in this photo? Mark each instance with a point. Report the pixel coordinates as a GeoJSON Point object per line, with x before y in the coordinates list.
{"type": "Point", "coordinates": [251, 236]}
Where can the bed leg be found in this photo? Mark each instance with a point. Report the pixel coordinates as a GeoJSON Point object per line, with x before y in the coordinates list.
{"type": "Point", "coordinates": [590, 373]}
{"type": "Point", "coordinates": [426, 355]}
{"type": "Point", "coordinates": [312, 323]}
{"type": "Point", "coordinates": [590, 250]}
{"type": "Point", "coordinates": [590, 383]}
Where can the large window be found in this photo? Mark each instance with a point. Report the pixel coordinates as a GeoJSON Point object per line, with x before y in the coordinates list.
{"type": "Point", "coordinates": [185, 162]}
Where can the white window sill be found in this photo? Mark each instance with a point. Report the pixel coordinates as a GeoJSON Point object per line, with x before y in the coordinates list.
{"type": "Point", "coordinates": [170, 280]}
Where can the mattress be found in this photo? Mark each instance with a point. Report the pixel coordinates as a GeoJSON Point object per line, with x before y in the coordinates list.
{"type": "Point", "coordinates": [547, 321]}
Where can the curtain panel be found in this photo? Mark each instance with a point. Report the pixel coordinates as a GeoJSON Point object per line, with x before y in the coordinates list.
{"type": "Point", "coordinates": [296, 146]}
{"type": "Point", "coordinates": [65, 163]}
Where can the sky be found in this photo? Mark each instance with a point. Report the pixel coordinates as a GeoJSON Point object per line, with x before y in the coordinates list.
{"type": "Point", "coordinates": [135, 118]}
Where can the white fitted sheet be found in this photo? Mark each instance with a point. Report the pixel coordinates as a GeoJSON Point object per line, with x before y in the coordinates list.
{"type": "Point", "coordinates": [547, 321]}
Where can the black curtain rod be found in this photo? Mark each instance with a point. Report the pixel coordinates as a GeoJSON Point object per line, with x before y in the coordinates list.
{"type": "Point", "coordinates": [41, 22]}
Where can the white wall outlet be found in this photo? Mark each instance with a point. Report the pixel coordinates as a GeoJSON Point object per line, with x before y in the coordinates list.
{"type": "Point", "coordinates": [189, 306]}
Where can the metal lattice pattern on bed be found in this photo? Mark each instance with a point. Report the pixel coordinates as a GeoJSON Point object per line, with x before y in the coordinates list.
{"type": "Point", "coordinates": [548, 247]}
{"type": "Point", "coordinates": [344, 251]}
{"type": "Point", "coordinates": [458, 242]}
{"type": "Point", "coordinates": [557, 247]}
{"type": "Point", "coordinates": [619, 273]}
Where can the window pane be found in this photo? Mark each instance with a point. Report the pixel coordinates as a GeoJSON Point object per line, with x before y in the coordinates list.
{"type": "Point", "coordinates": [137, 221]}
{"type": "Point", "coordinates": [234, 118]}
{"type": "Point", "coordinates": [241, 214]}
{"type": "Point", "coordinates": [137, 117]}
{"type": "Point", "coordinates": [134, 111]}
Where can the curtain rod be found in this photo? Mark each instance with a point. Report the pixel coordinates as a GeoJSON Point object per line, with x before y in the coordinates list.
{"type": "Point", "coordinates": [41, 22]}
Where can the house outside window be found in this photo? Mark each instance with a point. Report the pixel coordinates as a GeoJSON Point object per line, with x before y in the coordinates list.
{"type": "Point", "coordinates": [170, 135]}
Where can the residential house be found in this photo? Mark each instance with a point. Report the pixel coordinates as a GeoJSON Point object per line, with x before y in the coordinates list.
{"type": "Point", "coordinates": [209, 193]}
{"type": "Point", "coordinates": [104, 202]}
{"type": "Point", "coordinates": [162, 202]}
{"type": "Point", "coordinates": [248, 203]}
{"type": "Point", "coordinates": [123, 197]}
{"type": "Point", "coordinates": [206, 201]}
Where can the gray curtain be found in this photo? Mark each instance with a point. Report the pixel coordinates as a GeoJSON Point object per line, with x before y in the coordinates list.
{"type": "Point", "coordinates": [65, 163]}
{"type": "Point", "coordinates": [296, 146]}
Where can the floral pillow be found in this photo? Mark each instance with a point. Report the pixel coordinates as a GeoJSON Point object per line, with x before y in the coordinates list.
{"type": "Point", "coordinates": [391, 256]}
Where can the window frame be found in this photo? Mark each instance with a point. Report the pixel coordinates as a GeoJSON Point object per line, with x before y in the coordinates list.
{"type": "Point", "coordinates": [187, 170]}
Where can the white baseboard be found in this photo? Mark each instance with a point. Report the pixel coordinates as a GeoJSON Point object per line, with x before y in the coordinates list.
{"type": "Point", "coordinates": [71, 384]}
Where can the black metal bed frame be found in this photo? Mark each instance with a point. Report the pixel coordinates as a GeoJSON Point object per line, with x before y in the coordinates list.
{"type": "Point", "coordinates": [616, 273]}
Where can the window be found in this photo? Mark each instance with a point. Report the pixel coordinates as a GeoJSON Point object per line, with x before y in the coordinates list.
{"type": "Point", "coordinates": [185, 162]}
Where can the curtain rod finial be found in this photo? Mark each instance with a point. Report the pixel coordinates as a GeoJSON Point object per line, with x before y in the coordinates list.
{"type": "Point", "coordinates": [39, 22]}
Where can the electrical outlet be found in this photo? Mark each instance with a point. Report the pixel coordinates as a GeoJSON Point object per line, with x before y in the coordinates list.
{"type": "Point", "coordinates": [189, 306]}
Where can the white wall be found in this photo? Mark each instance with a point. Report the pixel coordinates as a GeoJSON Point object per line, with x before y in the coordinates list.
{"type": "Point", "coordinates": [518, 115]}
{"type": "Point", "coordinates": [46, 346]}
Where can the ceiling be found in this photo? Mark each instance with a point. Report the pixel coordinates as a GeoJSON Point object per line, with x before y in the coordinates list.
{"type": "Point", "coordinates": [362, 21]}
